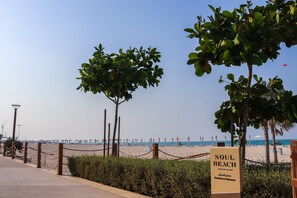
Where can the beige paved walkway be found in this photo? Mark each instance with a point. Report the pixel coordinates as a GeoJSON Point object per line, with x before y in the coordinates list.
{"type": "Point", "coordinates": [18, 180]}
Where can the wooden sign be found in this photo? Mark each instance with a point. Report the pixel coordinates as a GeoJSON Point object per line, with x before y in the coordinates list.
{"type": "Point", "coordinates": [225, 172]}
{"type": "Point", "coordinates": [294, 167]}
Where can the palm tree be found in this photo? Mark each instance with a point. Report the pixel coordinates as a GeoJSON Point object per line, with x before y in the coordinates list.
{"type": "Point", "coordinates": [265, 127]}
{"type": "Point", "coordinates": [277, 128]}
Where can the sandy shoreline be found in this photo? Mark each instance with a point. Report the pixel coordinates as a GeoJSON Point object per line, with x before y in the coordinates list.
{"type": "Point", "coordinates": [50, 153]}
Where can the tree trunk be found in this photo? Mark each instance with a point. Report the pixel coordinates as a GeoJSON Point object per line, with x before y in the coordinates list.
{"type": "Point", "coordinates": [114, 152]}
{"type": "Point", "coordinates": [231, 130]}
{"type": "Point", "coordinates": [267, 155]}
{"type": "Point", "coordinates": [272, 129]}
{"type": "Point", "coordinates": [246, 114]}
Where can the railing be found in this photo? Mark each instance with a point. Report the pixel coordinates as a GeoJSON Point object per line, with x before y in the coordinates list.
{"type": "Point", "coordinates": [54, 156]}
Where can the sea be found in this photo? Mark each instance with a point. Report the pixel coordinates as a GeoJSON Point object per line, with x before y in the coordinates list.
{"type": "Point", "coordinates": [135, 142]}
{"type": "Point", "coordinates": [284, 142]}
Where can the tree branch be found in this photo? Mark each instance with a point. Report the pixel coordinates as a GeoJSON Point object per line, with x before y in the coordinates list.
{"type": "Point", "coordinates": [122, 102]}
{"type": "Point", "coordinates": [109, 98]}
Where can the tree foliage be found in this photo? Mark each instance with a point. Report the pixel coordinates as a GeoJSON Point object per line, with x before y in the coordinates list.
{"type": "Point", "coordinates": [266, 108]}
{"type": "Point", "coordinates": [266, 102]}
{"type": "Point", "coordinates": [250, 35]}
{"type": "Point", "coordinates": [247, 35]}
{"type": "Point", "coordinates": [118, 75]}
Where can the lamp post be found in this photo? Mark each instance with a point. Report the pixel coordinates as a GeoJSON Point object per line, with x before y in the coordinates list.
{"type": "Point", "coordinates": [15, 107]}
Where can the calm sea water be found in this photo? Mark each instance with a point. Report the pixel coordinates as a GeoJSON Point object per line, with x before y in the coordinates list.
{"type": "Point", "coordinates": [207, 143]}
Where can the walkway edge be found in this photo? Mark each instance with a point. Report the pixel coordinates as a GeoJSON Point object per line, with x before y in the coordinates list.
{"type": "Point", "coordinates": [117, 191]}
{"type": "Point", "coordinates": [113, 190]}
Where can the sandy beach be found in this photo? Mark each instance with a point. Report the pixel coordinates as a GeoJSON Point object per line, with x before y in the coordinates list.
{"type": "Point", "coordinates": [50, 153]}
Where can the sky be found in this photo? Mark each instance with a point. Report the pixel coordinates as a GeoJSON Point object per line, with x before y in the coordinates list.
{"type": "Point", "coordinates": [44, 43]}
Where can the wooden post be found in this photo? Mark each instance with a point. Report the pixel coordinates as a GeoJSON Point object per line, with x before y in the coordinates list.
{"type": "Point", "coordinates": [60, 159]}
{"type": "Point", "coordinates": [104, 138]}
{"type": "Point", "coordinates": [119, 136]}
{"type": "Point", "coordinates": [115, 148]}
{"type": "Point", "coordinates": [13, 151]}
{"type": "Point", "coordinates": [108, 138]}
{"type": "Point", "coordinates": [155, 151]}
{"type": "Point", "coordinates": [25, 152]}
{"type": "Point", "coordinates": [4, 150]}
{"type": "Point", "coordinates": [39, 155]}
{"type": "Point", "coordinates": [294, 167]}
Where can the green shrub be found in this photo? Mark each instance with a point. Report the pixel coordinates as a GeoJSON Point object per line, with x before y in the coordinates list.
{"type": "Point", "coordinates": [18, 144]}
{"type": "Point", "coordinates": [167, 178]}
{"type": "Point", "coordinates": [262, 181]}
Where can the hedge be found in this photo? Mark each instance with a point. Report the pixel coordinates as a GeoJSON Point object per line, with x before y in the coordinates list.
{"type": "Point", "coordinates": [169, 178]}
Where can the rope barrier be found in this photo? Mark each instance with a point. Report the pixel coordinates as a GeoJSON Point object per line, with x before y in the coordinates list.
{"type": "Point", "coordinates": [186, 157]}
{"type": "Point", "coordinates": [8, 149]}
{"type": "Point", "coordinates": [135, 156]}
{"type": "Point", "coordinates": [32, 148]}
{"type": "Point", "coordinates": [53, 151]}
{"type": "Point", "coordinates": [194, 156]}
{"type": "Point", "coordinates": [19, 153]}
{"type": "Point", "coordinates": [175, 156]}
{"type": "Point", "coordinates": [16, 149]}
{"type": "Point", "coordinates": [47, 153]}
{"type": "Point", "coordinates": [70, 149]}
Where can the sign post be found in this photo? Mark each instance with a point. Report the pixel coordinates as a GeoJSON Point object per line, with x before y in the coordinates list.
{"type": "Point", "coordinates": [294, 167]}
{"type": "Point", "coordinates": [226, 177]}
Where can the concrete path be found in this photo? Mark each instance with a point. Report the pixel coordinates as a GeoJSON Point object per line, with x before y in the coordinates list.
{"type": "Point", "coordinates": [18, 180]}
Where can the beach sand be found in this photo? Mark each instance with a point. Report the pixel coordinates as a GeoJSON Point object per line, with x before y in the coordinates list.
{"type": "Point", "coordinates": [49, 156]}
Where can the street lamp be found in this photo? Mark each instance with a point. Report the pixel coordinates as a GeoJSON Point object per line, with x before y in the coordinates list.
{"type": "Point", "coordinates": [15, 107]}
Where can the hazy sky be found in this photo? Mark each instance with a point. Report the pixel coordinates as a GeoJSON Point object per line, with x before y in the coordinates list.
{"type": "Point", "coordinates": [44, 43]}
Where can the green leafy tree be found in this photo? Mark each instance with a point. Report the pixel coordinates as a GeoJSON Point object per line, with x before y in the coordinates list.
{"type": "Point", "coordinates": [118, 75]}
{"type": "Point", "coordinates": [266, 105]}
{"type": "Point", "coordinates": [247, 35]}
{"type": "Point", "coordinates": [286, 17]}
{"type": "Point", "coordinates": [231, 112]}
{"type": "Point", "coordinates": [229, 117]}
